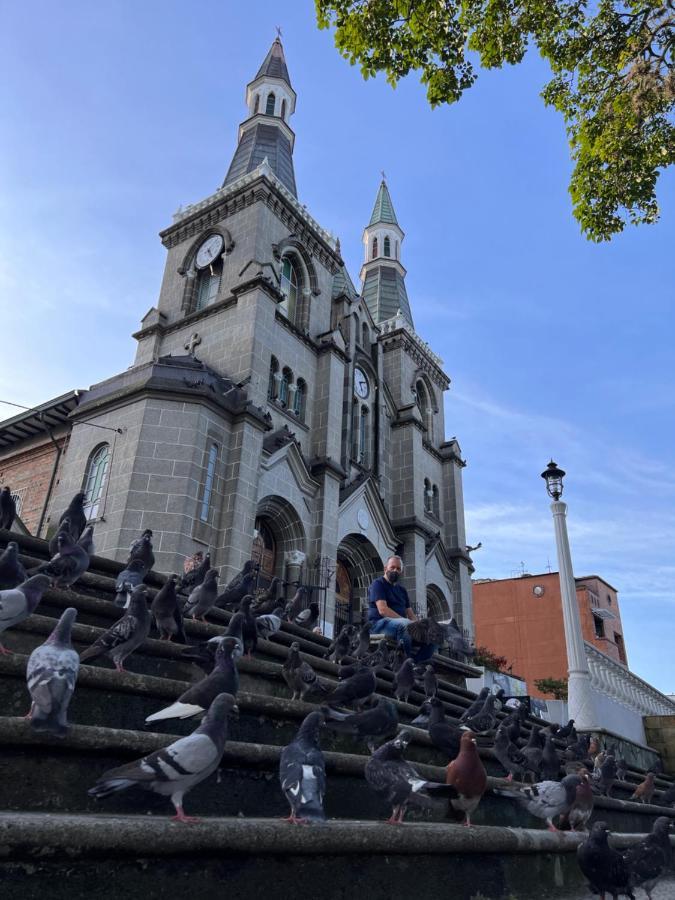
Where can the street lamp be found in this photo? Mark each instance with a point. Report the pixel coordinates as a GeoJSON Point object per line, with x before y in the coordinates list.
{"type": "Point", "coordinates": [580, 695]}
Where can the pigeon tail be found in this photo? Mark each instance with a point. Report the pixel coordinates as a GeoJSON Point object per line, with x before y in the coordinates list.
{"type": "Point", "coordinates": [177, 710]}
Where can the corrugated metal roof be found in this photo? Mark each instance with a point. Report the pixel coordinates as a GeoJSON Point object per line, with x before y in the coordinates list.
{"type": "Point", "coordinates": [259, 142]}
{"type": "Point", "coordinates": [383, 211]}
{"type": "Point", "coordinates": [39, 419]}
{"type": "Point", "coordinates": [274, 63]}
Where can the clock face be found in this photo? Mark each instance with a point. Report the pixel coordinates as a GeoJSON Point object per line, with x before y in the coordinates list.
{"type": "Point", "coordinates": [208, 251]}
{"type": "Point", "coordinates": [361, 387]}
{"type": "Point", "coordinates": [538, 590]}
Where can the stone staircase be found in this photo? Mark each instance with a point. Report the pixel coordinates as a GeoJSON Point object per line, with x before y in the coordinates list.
{"type": "Point", "coordinates": [56, 841]}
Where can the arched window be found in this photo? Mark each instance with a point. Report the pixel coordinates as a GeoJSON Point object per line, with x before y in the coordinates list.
{"type": "Point", "coordinates": [290, 285]}
{"type": "Point", "coordinates": [286, 381]}
{"type": "Point", "coordinates": [269, 108]}
{"type": "Point", "coordinates": [374, 248]}
{"type": "Point", "coordinates": [424, 406]}
{"type": "Point", "coordinates": [208, 483]}
{"type": "Point", "coordinates": [208, 283]}
{"type": "Point", "coordinates": [355, 429]}
{"type": "Point", "coordinates": [283, 110]}
{"type": "Point", "coordinates": [365, 338]}
{"type": "Point", "coordinates": [273, 383]}
{"type": "Point", "coordinates": [94, 479]}
{"type": "Point", "coordinates": [300, 399]}
{"type": "Point", "coordinates": [387, 246]}
{"type": "Point", "coordinates": [363, 436]}
{"type": "Point", "coordinates": [256, 104]}
{"type": "Point", "coordinates": [427, 495]}
{"type": "Point", "coordinates": [436, 502]}
{"type": "Point", "coordinates": [396, 250]}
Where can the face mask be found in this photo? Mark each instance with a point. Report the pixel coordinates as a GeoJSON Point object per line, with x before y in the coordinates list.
{"type": "Point", "coordinates": [393, 577]}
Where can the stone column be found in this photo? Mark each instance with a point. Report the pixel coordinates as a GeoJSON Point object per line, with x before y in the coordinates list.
{"type": "Point", "coordinates": [294, 560]}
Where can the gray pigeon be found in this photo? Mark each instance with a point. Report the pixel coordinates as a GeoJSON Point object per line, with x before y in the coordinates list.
{"type": "Point", "coordinates": [268, 624]}
{"type": "Point", "coordinates": [380, 720]}
{"type": "Point", "coordinates": [86, 541]}
{"type": "Point", "coordinates": [204, 653]}
{"type": "Point", "coordinates": [533, 752]}
{"type": "Point", "coordinates": [547, 799]}
{"type": "Point", "coordinates": [296, 604]}
{"type": "Point", "coordinates": [356, 690]}
{"type": "Point", "coordinates": [51, 675]}
{"type": "Point", "coordinates": [7, 509]}
{"type": "Point", "coordinates": [550, 762]}
{"type": "Point", "coordinates": [176, 769]}
{"type": "Point", "coordinates": [267, 601]}
{"type": "Point", "coordinates": [166, 611]}
{"type": "Point", "coordinates": [603, 778]}
{"type": "Point", "coordinates": [203, 597]}
{"type": "Point", "coordinates": [308, 618]}
{"type": "Point", "coordinates": [302, 772]}
{"type": "Point", "coordinates": [509, 755]}
{"type": "Point", "coordinates": [126, 635]}
{"type": "Point", "coordinates": [224, 679]}
{"type": "Point", "coordinates": [249, 631]}
{"type": "Point", "coordinates": [242, 584]}
{"type": "Point", "coordinates": [476, 705]}
{"type": "Point", "coordinates": [67, 565]}
{"type": "Point", "coordinates": [301, 677]}
{"type": "Point", "coordinates": [63, 527]}
{"type": "Point", "coordinates": [404, 681]}
{"type": "Point", "coordinates": [421, 720]}
{"type": "Point", "coordinates": [12, 572]}
{"type": "Point", "coordinates": [430, 682]}
{"type": "Point", "coordinates": [16, 604]}
{"type": "Point", "coordinates": [445, 736]}
{"type": "Point", "coordinates": [142, 549]}
{"type": "Point", "coordinates": [363, 643]}
{"type": "Point", "coordinates": [76, 516]}
{"type": "Point", "coordinates": [128, 580]}
{"type": "Point", "coordinates": [485, 719]}
{"type": "Point", "coordinates": [341, 646]}
{"type": "Point", "coordinates": [649, 859]}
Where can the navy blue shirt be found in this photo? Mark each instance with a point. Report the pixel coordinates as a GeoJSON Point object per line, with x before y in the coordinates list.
{"type": "Point", "coordinates": [395, 595]}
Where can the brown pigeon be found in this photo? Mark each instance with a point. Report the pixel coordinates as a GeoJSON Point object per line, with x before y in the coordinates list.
{"type": "Point", "coordinates": [466, 773]}
{"type": "Point", "coordinates": [580, 811]}
{"type": "Point", "coordinates": [645, 791]}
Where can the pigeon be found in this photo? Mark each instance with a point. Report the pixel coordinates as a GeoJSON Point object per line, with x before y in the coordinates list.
{"type": "Point", "coordinates": [63, 527]}
{"type": "Point", "coordinates": [269, 623]}
{"type": "Point", "coordinates": [342, 644]}
{"type": "Point", "coordinates": [67, 565]}
{"type": "Point", "coordinates": [309, 617]}
{"type": "Point", "coordinates": [651, 857]}
{"type": "Point", "coordinates": [667, 798]}
{"type": "Point", "coordinates": [176, 769]}
{"type": "Point", "coordinates": [242, 584]}
{"type": "Point", "coordinates": [513, 723]}
{"type": "Point", "coordinates": [267, 602]}
{"type": "Point", "coordinates": [395, 779]}
{"type": "Point", "coordinates": [204, 653]}
{"type": "Point", "coordinates": [476, 705]}
{"type": "Point", "coordinates": [249, 631]}
{"type": "Point", "coordinates": [426, 631]}
{"type": "Point", "coordinates": [578, 750]}
{"type": "Point", "coordinates": [356, 690]}
{"type": "Point", "coordinates": [202, 598]}
{"type": "Point", "coordinates": [444, 735]}
{"type": "Point", "coordinates": [466, 773]}
{"type": "Point", "coordinates": [166, 612]}
{"type": "Point", "coordinates": [546, 799]}
{"type": "Point", "coordinates": [192, 579]}
{"type": "Point", "coordinates": [295, 604]}
{"type": "Point", "coordinates": [421, 720]}
{"type": "Point", "coordinates": [51, 675]}
{"type": "Point", "coordinates": [621, 769]}
{"type": "Point", "coordinates": [566, 730]}
{"type": "Point", "coordinates": [142, 549]}
{"type": "Point", "coordinates": [16, 604]}
{"type": "Point", "coordinates": [127, 580]}
{"type": "Point", "coordinates": [644, 791]}
{"type": "Point", "coordinates": [533, 753]}
{"type": "Point", "coordinates": [484, 720]}
{"type": "Point", "coordinates": [126, 635]}
{"type": "Point", "coordinates": [593, 747]}
{"type": "Point", "coordinates": [604, 867]}
{"type": "Point", "coordinates": [605, 774]}
{"type": "Point", "coordinates": [313, 689]}
{"type": "Point", "coordinates": [380, 720]}
{"type": "Point", "coordinates": [224, 679]}
{"type": "Point", "coordinates": [457, 643]}
{"type": "Point", "coordinates": [550, 762]}
{"type": "Point", "coordinates": [86, 540]}
{"type": "Point", "coordinates": [12, 572]}
{"type": "Point", "coordinates": [580, 812]}
{"type": "Point", "coordinates": [500, 699]}
{"type": "Point", "coordinates": [404, 681]}
{"type": "Point", "coordinates": [430, 682]}
{"type": "Point", "coordinates": [7, 509]}
{"type": "Point", "coordinates": [76, 516]}
{"type": "Point", "coordinates": [379, 658]}
{"type": "Point", "coordinates": [290, 670]}
{"type": "Point", "coordinates": [362, 647]}
{"type": "Point", "coordinates": [302, 772]}
{"type": "Point", "coordinates": [508, 754]}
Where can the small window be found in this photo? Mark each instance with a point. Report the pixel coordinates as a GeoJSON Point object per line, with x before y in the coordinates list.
{"type": "Point", "coordinates": [273, 383]}
{"type": "Point", "coordinates": [599, 627]}
{"type": "Point", "coordinates": [355, 429]}
{"type": "Point", "coordinates": [208, 483]}
{"type": "Point", "coordinates": [290, 284]}
{"type": "Point", "coordinates": [286, 381]}
{"type": "Point", "coordinates": [300, 399]}
{"type": "Point", "coordinates": [609, 600]}
{"type": "Point", "coordinates": [387, 246]}
{"type": "Point", "coordinates": [396, 250]}
{"type": "Point", "coordinates": [283, 110]}
{"type": "Point", "coordinates": [363, 436]}
{"type": "Point", "coordinates": [374, 248]}
{"type": "Point", "coordinates": [95, 478]}
{"type": "Point", "coordinates": [427, 495]}
{"type": "Point", "coordinates": [256, 104]}
{"type": "Point", "coordinates": [435, 502]}
{"type": "Point", "coordinates": [269, 109]}
{"type": "Point", "coordinates": [365, 337]}
{"type": "Point", "coordinates": [208, 283]}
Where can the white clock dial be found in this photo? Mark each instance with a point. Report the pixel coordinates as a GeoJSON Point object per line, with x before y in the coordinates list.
{"type": "Point", "coordinates": [361, 386]}
{"type": "Point", "coordinates": [538, 590]}
{"type": "Point", "coordinates": [209, 250]}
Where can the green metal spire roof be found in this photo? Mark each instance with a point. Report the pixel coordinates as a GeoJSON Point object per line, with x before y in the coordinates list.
{"type": "Point", "coordinates": [383, 211]}
{"type": "Point", "coordinates": [274, 63]}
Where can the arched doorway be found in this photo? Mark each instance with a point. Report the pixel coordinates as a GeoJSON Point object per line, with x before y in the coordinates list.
{"type": "Point", "coordinates": [278, 530]}
{"type": "Point", "coordinates": [264, 550]}
{"type": "Point", "coordinates": [437, 605]}
{"type": "Point", "coordinates": [358, 563]}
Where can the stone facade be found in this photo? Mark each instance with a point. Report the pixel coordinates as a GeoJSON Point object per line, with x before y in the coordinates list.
{"type": "Point", "coordinates": [267, 409]}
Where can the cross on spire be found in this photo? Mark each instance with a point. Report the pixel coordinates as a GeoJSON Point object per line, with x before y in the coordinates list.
{"type": "Point", "coordinates": [384, 177]}
{"type": "Point", "coordinates": [279, 31]}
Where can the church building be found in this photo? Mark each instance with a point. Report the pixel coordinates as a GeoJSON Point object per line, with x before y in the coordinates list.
{"type": "Point", "coordinates": [274, 410]}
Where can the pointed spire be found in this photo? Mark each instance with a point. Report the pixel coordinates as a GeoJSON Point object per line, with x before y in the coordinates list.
{"type": "Point", "coordinates": [274, 64]}
{"type": "Point", "coordinates": [383, 211]}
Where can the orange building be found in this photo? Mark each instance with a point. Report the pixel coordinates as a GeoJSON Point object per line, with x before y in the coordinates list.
{"type": "Point", "coordinates": [521, 618]}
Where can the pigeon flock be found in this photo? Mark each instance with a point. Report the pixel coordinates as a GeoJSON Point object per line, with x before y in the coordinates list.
{"type": "Point", "coordinates": [552, 772]}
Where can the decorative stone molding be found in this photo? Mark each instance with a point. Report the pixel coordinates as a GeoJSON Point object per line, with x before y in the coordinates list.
{"type": "Point", "coordinates": [397, 331]}
{"type": "Point", "coordinates": [620, 684]}
{"type": "Point", "coordinates": [295, 557]}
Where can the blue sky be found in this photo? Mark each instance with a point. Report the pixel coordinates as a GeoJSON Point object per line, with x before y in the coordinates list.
{"type": "Point", "coordinates": [114, 114]}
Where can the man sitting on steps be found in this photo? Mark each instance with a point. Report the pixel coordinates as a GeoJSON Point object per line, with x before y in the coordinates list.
{"type": "Point", "coordinates": [390, 612]}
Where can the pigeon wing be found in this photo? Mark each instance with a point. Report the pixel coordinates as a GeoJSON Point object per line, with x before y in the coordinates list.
{"type": "Point", "coordinates": [12, 604]}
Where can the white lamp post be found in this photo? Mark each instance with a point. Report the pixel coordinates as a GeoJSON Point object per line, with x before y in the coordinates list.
{"type": "Point", "coordinates": [580, 694]}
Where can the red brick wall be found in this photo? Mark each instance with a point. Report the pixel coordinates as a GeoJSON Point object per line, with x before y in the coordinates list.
{"type": "Point", "coordinates": [28, 473]}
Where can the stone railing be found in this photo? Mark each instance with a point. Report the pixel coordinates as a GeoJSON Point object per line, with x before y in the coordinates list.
{"type": "Point", "coordinates": [621, 685]}
{"type": "Point", "coordinates": [397, 323]}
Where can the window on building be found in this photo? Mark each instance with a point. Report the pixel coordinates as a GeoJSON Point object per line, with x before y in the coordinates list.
{"type": "Point", "coordinates": [365, 338]}
{"type": "Point", "coordinates": [396, 250]}
{"type": "Point", "coordinates": [599, 627]}
{"type": "Point", "coordinates": [435, 502]}
{"type": "Point", "coordinates": [427, 495]}
{"type": "Point", "coordinates": [363, 436]}
{"type": "Point", "coordinates": [387, 246]}
{"type": "Point", "coordinates": [374, 248]}
{"type": "Point", "coordinates": [355, 429]}
{"type": "Point", "coordinates": [94, 480]}
{"type": "Point", "coordinates": [609, 600]}
{"type": "Point", "coordinates": [284, 384]}
{"type": "Point", "coordinates": [208, 283]}
{"type": "Point", "coordinates": [208, 483]}
{"type": "Point", "coordinates": [422, 399]}
{"type": "Point", "coordinates": [273, 383]}
{"type": "Point", "coordinates": [290, 284]}
{"type": "Point", "coordinates": [300, 399]}
{"type": "Point", "coordinates": [256, 104]}
{"type": "Point", "coordinates": [618, 640]}
{"type": "Point", "coordinates": [283, 110]}
{"type": "Point", "coordinates": [271, 100]}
